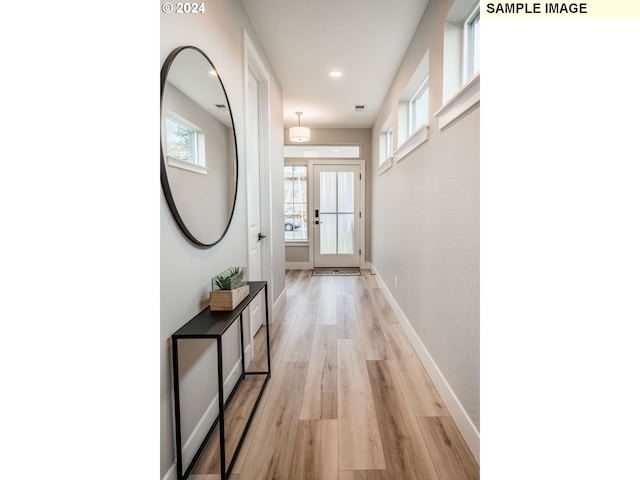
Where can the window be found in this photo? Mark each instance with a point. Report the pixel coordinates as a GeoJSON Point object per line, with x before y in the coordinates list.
{"type": "Point", "coordinates": [419, 107]}
{"type": "Point", "coordinates": [388, 140]}
{"type": "Point", "coordinates": [386, 145]}
{"type": "Point", "coordinates": [461, 62]}
{"type": "Point", "coordinates": [185, 144]}
{"type": "Point", "coordinates": [295, 203]}
{"type": "Point", "coordinates": [472, 45]}
{"type": "Point", "coordinates": [413, 111]}
{"type": "Point", "coordinates": [322, 151]}
{"type": "Point", "coordinates": [182, 142]}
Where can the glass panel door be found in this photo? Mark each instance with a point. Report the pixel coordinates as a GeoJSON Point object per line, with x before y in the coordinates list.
{"type": "Point", "coordinates": [337, 215]}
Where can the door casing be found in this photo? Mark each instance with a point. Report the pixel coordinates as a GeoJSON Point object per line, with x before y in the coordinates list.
{"type": "Point", "coordinates": [253, 66]}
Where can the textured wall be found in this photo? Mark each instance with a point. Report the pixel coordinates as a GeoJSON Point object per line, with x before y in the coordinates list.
{"type": "Point", "coordinates": [425, 225]}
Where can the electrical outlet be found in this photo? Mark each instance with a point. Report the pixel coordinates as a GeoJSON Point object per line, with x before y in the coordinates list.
{"type": "Point", "coordinates": [395, 281]}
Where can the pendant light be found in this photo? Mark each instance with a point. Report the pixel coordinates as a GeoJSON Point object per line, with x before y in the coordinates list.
{"type": "Point", "coordinates": [299, 134]}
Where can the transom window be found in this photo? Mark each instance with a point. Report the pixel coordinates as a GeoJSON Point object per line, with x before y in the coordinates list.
{"type": "Point", "coordinates": [472, 50]}
{"type": "Point", "coordinates": [388, 136]}
{"type": "Point", "coordinates": [461, 60]}
{"type": "Point", "coordinates": [322, 151]}
{"type": "Point", "coordinates": [413, 105]}
{"type": "Point", "coordinates": [386, 142]}
{"type": "Point", "coordinates": [419, 107]}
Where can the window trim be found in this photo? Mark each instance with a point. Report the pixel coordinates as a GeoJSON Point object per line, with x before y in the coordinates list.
{"type": "Point", "coordinates": [386, 165]}
{"type": "Point", "coordinates": [416, 139]}
{"type": "Point", "coordinates": [466, 98]}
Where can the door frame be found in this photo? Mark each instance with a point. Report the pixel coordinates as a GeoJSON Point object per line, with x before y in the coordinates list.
{"type": "Point", "coordinates": [310, 197]}
{"type": "Point", "coordinates": [253, 66]}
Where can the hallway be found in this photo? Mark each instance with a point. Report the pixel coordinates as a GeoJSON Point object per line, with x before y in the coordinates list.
{"type": "Point", "coordinates": [348, 398]}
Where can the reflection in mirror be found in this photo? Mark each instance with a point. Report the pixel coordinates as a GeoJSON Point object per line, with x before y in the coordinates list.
{"type": "Point", "coordinates": [198, 147]}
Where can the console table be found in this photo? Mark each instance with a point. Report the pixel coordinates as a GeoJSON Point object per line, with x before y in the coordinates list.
{"type": "Point", "coordinates": [208, 324]}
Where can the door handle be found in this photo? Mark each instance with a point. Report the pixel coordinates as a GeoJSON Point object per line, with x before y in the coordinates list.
{"type": "Point", "coordinates": [317, 222]}
{"type": "Point", "coordinates": [261, 236]}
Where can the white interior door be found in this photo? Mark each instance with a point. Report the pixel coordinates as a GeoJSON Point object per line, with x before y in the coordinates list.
{"type": "Point", "coordinates": [336, 215]}
{"type": "Point", "coordinates": [256, 308]}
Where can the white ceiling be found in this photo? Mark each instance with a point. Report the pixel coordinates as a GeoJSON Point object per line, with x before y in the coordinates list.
{"type": "Point", "coordinates": [305, 39]}
{"type": "Point", "coordinates": [191, 74]}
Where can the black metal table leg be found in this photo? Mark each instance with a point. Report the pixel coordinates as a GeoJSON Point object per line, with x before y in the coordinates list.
{"type": "Point", "coordinates": [223, 464]}
{"type": "Point", "coordinates": [266, 312]}
{"type": "Point", "coordinates": [242, 342]}
{"type": "Point", "coordinates": [176, 406]}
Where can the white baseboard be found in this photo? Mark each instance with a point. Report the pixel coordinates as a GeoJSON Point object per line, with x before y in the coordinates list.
{"type": "Point", "coordinates": [458, 413]}
{"type": "Point", "coordinates": [171, 473]}
{"type": "Point", "coordinates": [193, 442]}
{"type": "Point", "coordinates": [280, 298]}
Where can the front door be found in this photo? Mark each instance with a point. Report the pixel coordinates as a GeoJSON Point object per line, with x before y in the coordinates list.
{"type": "Point", "coordinates": [336, 215]}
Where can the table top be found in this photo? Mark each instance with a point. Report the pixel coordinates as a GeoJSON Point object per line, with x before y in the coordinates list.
{"type": "Point", "coordinates": [208, 324]}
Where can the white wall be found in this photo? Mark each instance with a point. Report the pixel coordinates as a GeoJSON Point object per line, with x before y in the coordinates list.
{"type": "Point", "coordinates": [425, 225]}
{"type": "Point", "coordinates": [186, 270]}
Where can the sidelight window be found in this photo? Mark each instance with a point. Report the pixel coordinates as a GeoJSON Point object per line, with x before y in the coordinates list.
{"type": "Point", "coordinates": [295, 203]}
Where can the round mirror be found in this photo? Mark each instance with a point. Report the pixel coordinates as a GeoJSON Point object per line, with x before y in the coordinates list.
{"type": "Point", "coordinates": [198, 151]}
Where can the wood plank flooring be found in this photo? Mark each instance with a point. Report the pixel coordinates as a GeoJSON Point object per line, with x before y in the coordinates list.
{"type": "Point", "coordinates": [348, 398]}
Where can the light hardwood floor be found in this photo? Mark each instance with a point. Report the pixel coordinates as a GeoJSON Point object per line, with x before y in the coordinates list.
{"type": "Point", "coordinates": [348, 398]}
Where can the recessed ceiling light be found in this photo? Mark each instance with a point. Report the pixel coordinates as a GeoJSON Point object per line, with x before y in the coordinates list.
{"type": "Point", "coordinates": [335, 73]}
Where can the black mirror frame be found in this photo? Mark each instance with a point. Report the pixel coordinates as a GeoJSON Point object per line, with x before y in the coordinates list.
{"type": "Point", "coordinates": [164, 180]}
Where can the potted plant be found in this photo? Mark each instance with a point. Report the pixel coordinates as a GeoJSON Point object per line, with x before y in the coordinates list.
{"type": "Point", "coordinates": [228, 289]}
